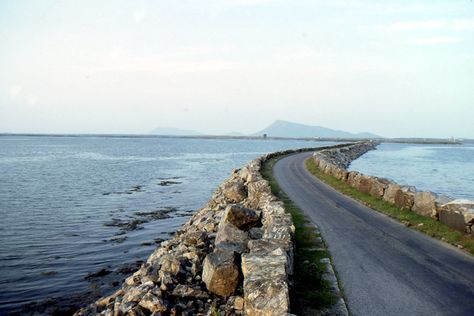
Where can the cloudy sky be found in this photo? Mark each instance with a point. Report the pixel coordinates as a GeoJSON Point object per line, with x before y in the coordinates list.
{"type": "Point", "coordinates": [395, 68]}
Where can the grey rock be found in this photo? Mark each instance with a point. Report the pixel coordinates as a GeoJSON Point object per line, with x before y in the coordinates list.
{"type": "Point", "coordinates": [391, 192]}
{"type": "Point", "coordinates": [425, 204]}
{"type": "Point", "coordinates": [228, 233]}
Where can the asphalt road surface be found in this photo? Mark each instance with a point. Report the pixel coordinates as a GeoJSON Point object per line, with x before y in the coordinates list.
{"type": "Point", "coordinates": [384, 267]}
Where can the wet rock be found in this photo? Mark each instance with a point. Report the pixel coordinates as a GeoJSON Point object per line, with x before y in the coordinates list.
{"type": "Point", "coordinates": [220, 273]}
{"type": "Point", "coordinates": [137, 188]}
{"type": "Point", "coordinates": [48, 273]}
{"type": "Point", "coordinates": [155, 215]}
{"type": "Point", "coordinates": [101, 273]}
{"type": "Point", "coordinates": [130, 267]}
{"type": "Point", "coordinates": [165, 183]}
{"type": "Point", "coordinates": [126, 225]}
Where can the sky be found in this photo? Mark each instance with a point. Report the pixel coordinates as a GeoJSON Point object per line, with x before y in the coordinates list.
{"type": "Point", "coordinates": [394, 68]}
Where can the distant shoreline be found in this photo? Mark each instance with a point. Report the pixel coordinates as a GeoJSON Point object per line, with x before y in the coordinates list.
{"type": "Point", "coordinates": [318, 139]}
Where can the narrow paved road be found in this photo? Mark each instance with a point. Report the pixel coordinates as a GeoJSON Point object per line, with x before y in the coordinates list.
{"type": "Point", "coordinates": [385, 268]}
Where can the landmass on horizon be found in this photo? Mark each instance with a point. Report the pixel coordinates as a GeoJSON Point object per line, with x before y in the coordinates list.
{"type": "Point", "coordinates": [279, 128]}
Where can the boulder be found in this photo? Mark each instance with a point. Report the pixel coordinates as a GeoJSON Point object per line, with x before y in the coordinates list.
{"type": "Point", "coordinates": [241, 217]}
{"type": "Point", "coordinates": [274, 247]}
{"type": "Point", "coordinates": [364, 184]}
{"type": "Point", "coordinates": [341, 174]}
{"type": "Point", "coordinates": [378, 187]}
{"type": "Point", "coordinates": [265, 285]}
{"type": "Point", "coordinates": [458, 214]}
{"type": "Point", "coordinates": [230, 234]}
{"type": "Point", "coordinates": [220, 273]}
{"type": "Point", "coordinates": [353, 179]}
{"type": "Point", "coordinates": [234, 191]}
{"type": "Point", "coordinates": [390, 192]}
{"type": "Point", "coordinates": [405, 197]}
{"type": "Point", "coordinates": [425, 204]}
{"type": "Point", "coordinates": [257, 191]}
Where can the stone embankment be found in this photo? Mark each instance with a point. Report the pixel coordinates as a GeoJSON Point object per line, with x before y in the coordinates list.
{"type": "Point", "coordinates": [456, 213]}
{"type": "Point", "coordinates": [233, 257]}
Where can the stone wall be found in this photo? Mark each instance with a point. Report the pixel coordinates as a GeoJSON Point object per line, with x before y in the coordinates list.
{"type": "Point", "coordinates": [458, 214]}
{"type": "Point", "coordinates": [233, 257]}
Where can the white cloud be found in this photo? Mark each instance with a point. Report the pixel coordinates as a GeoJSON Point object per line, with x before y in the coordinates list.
{"type": "Point", "coordinates": [139, 15]}
{"type": "Point", "coordinates": [461, 25]}
{"type": "Point", "coordinates": [159, 66]}
{"type": "Point", "coordinates": [32, 100]}
{"type": "Point", "coordinates": [453, 25]}
{"type": "Point", "coordinates": [116, 53]}
{"type": "Point", "coordinates": [15, 91]}
{"type": "Point", "coordinates": [416, 25]}
{"type": "Point", "coordinates": [435, 40]}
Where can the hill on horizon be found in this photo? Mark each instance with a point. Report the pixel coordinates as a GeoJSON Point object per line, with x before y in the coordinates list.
{"type": "Point", "coordinates": [282, 128]}
{"type": "Point", "coordinates": [278, 128]}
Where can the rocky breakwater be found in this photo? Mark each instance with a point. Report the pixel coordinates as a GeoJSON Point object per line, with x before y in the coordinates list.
{"type": "Point", "coordinates": [233, 257]}
{"type": "Point", "coordinates": [456, 213]}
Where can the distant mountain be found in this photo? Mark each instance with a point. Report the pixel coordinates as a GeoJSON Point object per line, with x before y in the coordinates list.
{"type": "Point", "coordinates": [168, 131]}
{"type": "Point", "coordinates": [289, 129]}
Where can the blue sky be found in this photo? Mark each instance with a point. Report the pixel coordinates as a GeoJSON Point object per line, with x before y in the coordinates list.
{"type": "Point", "coordinates": [395, 68]}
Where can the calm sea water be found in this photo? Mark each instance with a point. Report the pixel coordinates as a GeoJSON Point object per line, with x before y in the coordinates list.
{"type": "Point", "coordinates": [443, 169]}
{"type": "Point", "coordinates": [78, 214]}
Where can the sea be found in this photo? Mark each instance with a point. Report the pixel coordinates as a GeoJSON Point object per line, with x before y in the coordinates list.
{"type": "Point", "coordinates": [80, 214]}
{"type": "Point", "coordinates": [442, 169]}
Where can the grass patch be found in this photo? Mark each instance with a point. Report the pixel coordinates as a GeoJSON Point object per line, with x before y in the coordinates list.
{"type": "Point", "coordinates": [310, 292]}
{"type": "Point", "coordinates": [420, 223]}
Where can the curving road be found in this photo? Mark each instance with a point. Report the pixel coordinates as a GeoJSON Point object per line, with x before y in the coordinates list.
{"type": "Point", "coordinates": [384, 267]}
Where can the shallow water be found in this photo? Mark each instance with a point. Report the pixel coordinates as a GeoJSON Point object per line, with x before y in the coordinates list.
{"type": "Point", "coordinates": [72, 206]}
{"type": "Point", "coordinates": [443, 169]}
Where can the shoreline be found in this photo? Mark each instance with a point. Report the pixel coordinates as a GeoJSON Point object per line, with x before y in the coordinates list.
{"type": "Point", "coordinates": [421, 141]}
{"type": "Point", "coordinates": [235, 255]}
